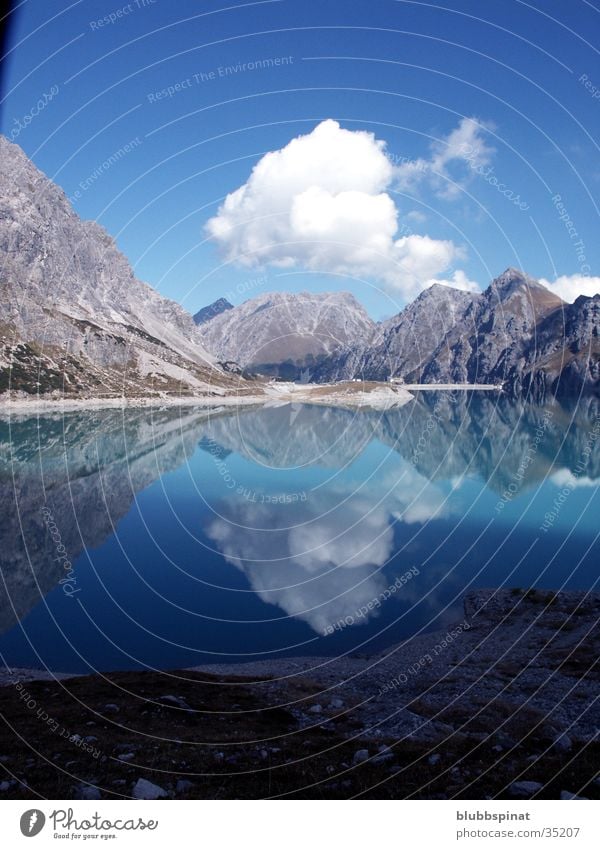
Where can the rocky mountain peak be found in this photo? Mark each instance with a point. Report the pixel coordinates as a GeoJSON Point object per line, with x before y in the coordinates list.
{"type": "Point", "coordinates": [212, 310]}
{"type": "Point", "coordinates": [514, 280]}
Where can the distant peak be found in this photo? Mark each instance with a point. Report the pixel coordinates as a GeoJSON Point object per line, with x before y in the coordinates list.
{"type": "Point", "coordinates": [437, 290]}
{"type": "Point", "coordinates": [216, 308]}
{"type": "Point", "coordinates": [514, 280]}
{"type": "Point", "coordinates": [514, 277]}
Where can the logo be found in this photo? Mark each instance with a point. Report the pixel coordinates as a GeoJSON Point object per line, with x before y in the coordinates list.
{"type": "Point", "coordinates": [32, 822]}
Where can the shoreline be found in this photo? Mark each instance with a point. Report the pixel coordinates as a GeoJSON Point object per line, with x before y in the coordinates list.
{"type": "Point", "coordinates": [378, 395]}
{"type": "Point", "coordinates": [481, 708]}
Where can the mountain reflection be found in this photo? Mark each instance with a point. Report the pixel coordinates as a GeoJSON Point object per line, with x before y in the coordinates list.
{"type": "Point", "coordinates": [318, 548]}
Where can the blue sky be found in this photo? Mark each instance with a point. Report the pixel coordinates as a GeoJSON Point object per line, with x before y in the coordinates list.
{"type": "Point", "coordinates": [410, 73]}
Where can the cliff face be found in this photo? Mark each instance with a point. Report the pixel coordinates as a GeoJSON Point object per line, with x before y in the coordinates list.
{"type": "Point", "coordinates": [285, 334]}
{"type": "Point", "coordinates": [516, 333]}
{"type": "Point", "coordinates": [404, 343]}
{"type": "Point", "coordinates": [74, 320]}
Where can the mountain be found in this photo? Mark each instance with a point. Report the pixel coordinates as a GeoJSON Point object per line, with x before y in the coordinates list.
{"type": "Point", "coordinates": [516, 333]}
{"type": "Point", "coordinates": [216, 308]}
{"type": "Point", "coordinates": [401, 344]}
{"type": "Point", "coordinates": [522, 335]}
{"type": "Point", "coordinates": [285, 334]}
{"type": "Point", "coordinates": [74, 320]}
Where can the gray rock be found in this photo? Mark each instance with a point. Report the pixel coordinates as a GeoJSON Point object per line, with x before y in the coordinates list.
{"type": "Point", "coordinates": [525, 789]}
{"type": "Point", "coordinates": [360, 756]}
{"type": "Point", "coordinates": [144, 789]}
{"type": "Point", "coordinates": [315, 709]}
{"type": "Point", "coordinates": [563, 743]}
{"type": "Point", "coordinates": [385, 757]}
{"type": "Point", "coordinates": [177, 701]}
{"type": "Point", "coordinates": [85, 791]}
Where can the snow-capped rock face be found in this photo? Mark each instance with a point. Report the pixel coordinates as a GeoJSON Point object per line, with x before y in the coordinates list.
{"type": "Point", "coordinates": [212, 310]}
{"type": "Point", "coordinates": [73, 317]}
{"type": "Point", "coordinates": [285, 334]}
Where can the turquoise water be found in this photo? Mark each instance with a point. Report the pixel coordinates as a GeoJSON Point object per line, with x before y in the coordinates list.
{"type": "Point", "coordinates": [183, 536]}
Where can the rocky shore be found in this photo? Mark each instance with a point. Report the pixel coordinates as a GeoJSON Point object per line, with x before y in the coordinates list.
{"type": "Point", "coordinates": [502, 704]}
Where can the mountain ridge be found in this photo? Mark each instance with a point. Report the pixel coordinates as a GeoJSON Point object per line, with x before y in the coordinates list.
{"type": "Point", "coordinates": [515, 332]}
{"type": "Point", "coordinates": [74, 318]}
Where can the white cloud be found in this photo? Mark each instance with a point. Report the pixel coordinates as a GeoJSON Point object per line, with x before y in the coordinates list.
{"type": "Point", "coordinates": [321, 203]}
{"type": "Point", "coordinates": [459, 280]}
{"type": "Point", "coordinates": [569, 287]}
{"type": "Point", "coordinates": [329, 562]}
{"type": "Point", "coordinates": [447, 169]}
{"type": "Point", "coordinates": [565, 477]}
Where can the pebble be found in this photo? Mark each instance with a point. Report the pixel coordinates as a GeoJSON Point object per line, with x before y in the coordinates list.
{"type": "Point", "coordinates": [432, 760]}
{"type": "Point", "coordinates": [111, 708]}
{"type": "Point", "coordinates": [360, 756]}
{"type": "Point", "coordinates": [4, 785]}
{"type": "Point", "coordinates": [525, 789]}
{"type": "Point", "coordinates": [383, 758]}
{"type": "Point", "coordinates": [183, 785]}
{"type": "Point", "coordinates": [336, 703]}
{"type": "Point", "coordinates": [564, 794]}
{"type": "Point", "coordinates": [316, 709]}
{"type": "Point", "coordinates": [144, 789]}
{"type": "Point", "coordinates": [86, 792]}
{"type": "Point", "coordinates": [563, 743]}
{"type": "Point", "coordinates": [128, 756]}
{"type": "Point", "coordinates": [175, 700]}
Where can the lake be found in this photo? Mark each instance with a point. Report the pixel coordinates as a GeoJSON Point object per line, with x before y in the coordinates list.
{"type": "Point", "coordinates": [182, 536]}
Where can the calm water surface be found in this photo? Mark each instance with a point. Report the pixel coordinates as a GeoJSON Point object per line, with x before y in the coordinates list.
{"type": "Point", "coordinates": [179, 537]}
